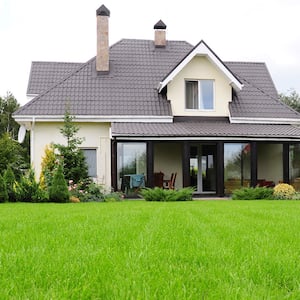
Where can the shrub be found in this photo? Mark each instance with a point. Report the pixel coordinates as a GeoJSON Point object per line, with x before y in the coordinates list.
{"type": "Point", "coordinates": [48, 165]}
{"type": "Point", "coordinates": [58, 191]}
{"type": "Point", "coordinates": [3, 190]}
{"type": "Point", "coordinates": [9, 179]}
{"type": "Point", "coordinates": [74, 199]}
{"type": "Point", "coordinates": [159, 194]}
{"type": "Point", "coordinates": [113, 197]}
{"type": "Point", "coordinates": [156, 194]}
{"type": "Point", "coordinates": [87, 190]}
{"type": "Point", "coordinates": [29, 190]}
{"type": "Point", "coordinates": [284, 191]}
{"type": "Point", "coordinates": [252, 193]}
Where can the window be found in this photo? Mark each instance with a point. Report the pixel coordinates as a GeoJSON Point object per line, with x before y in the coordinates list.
{"type": "Point", "coordinates": [131, 160]}
{"type": "Point", "coordinates": [237, 166]}
{"type": "Point", "coordinates": [91, 160]}
{"type": "Point", "coordinates": [199, 94]}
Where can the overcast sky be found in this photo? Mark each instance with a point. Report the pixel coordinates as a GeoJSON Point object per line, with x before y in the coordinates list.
{"type": "Point", "coordinates": [65, 30]}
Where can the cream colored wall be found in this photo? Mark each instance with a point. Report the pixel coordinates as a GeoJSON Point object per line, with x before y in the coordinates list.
{"type": "Point", "coordinates": [200, 68]}
{"type": "Point", "coordinates": [269, 162]}
{"type": "Point", "coordinates": [96, 135]}
{"type": "Point", "coordinates": [168, 159]}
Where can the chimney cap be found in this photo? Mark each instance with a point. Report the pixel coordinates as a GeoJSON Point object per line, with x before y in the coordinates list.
{"type": "Point", "coordinates": [160, 25]}
{"type": "Point", "coordinates": [103, 11]}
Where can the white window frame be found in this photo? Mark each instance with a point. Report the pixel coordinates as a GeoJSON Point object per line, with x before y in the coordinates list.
{"type": "Point", "coordinates": [199, 95]}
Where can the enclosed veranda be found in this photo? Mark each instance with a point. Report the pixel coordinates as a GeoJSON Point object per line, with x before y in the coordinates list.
{"type": "Point", "coordinates": [213, 165]}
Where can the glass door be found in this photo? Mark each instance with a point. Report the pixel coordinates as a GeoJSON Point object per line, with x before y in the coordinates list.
{"type": "Point", "coordinates": [203, 168]}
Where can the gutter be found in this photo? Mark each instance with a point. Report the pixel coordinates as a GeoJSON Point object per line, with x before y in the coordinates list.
{"type": "Point", "coordinates": [32, 140]}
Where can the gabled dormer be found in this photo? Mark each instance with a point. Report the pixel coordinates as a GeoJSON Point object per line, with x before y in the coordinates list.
{"type": "Point", "coordinates": [200, 85]}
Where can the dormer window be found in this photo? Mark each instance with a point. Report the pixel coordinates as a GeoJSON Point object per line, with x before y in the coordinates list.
{"type": "Point", "coordinates": [199, 94]}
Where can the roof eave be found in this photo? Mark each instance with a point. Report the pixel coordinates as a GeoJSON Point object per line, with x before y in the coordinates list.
{"type": "Point", "coordinates": [21, 119]}
{"type": "Point", "coordinates": [202, 49]}
{"type": "Point", "coordinates": [251, 120]}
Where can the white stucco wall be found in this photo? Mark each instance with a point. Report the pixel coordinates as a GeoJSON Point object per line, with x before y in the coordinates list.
{"type": "Point", "coordinates": [96, 136]}
{"type": "Point", "coordinates": [200, 68]}
{"type": "Point", "coordinates": [168, 160]}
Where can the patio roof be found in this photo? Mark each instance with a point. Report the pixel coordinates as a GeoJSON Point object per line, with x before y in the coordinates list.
{"type": "Point", "coordinates": [205, 129]}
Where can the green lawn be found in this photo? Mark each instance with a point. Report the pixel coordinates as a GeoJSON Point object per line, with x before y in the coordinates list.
{"type": "Point", "coordinates": [150, 250]}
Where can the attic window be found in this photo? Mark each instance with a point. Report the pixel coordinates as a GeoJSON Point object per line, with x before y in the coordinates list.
{"type": "Point", "coordinates": [199, 94]}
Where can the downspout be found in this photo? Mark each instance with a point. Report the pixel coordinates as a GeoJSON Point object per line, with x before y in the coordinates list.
{"type": "Point", "coordinates": [32, 141]}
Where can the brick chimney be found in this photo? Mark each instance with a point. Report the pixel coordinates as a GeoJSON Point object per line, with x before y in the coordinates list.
{"type": "Point", "coordinates": [160, 34]}
{"type": "Point", "coordinates": [102, 59]}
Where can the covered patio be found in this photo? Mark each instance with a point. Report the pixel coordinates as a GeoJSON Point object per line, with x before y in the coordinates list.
{"type": "Point", "coordinates": [210, 154]}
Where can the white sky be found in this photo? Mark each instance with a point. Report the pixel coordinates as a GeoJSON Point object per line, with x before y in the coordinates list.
{"type": "Point", "coordinates": [65, 30]}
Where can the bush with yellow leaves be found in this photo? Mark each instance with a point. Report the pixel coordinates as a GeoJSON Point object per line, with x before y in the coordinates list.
{"type": "Point", "coordinates": [284, 191]}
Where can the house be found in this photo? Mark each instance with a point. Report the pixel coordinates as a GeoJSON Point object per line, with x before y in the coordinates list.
{"type": "Point", "coordinates": [161, 106]}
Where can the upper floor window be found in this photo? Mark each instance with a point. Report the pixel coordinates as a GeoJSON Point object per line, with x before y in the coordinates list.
{"type": "Point", "coordinates": [199, 94]}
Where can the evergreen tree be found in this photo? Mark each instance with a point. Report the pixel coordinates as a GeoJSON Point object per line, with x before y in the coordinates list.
{"type": "Point", "coordinates": [58, 191]}
{"type": "Point", "coordinates": [3, 191]}
{"type": "Point", "coordinates": [10, 128]}
{"type": "Point", "coordinates": [9, 179]}
{"type": "Point", "coordinates": [8, 105]}
{"type": "Point", "coordinates": [75, 167]}
{"type": "Point", "coordinates": [12, 154]}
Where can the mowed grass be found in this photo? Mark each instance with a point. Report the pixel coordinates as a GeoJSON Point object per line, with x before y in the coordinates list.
{"type": "Point", "coordinates": [149, 250]}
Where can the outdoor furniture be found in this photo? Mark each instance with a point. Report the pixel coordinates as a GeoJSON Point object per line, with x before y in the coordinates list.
{"type": "Point", "coordinates": [265, 183]}
{"type": "Point", "coordinates": [133, 182]}
{"type": "Point", "coordinates": [159, 179]}
{"type": "Point", "coordinates": [170, 183]}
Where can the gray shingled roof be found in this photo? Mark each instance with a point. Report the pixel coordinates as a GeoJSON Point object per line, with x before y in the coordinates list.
{"type": "Point", "coordinates": [136, 68]}
{"type": "Point", "coordinates": [258, 98]}
{"type": "Point", "coordinates": [221, 129]}
{"type": "Point", "coordinates": [130, 88]}
{"type": "Point", "coordinates": [44, 75]}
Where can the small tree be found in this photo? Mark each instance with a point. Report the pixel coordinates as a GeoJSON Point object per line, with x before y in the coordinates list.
{"type": "Point", "coordinates": [58, 191]}
{"type": "Point", "coordinates": [9, 179]}
{"type": "Point", "coordinates": [49, 163]}
{"type": "Point", "coordinates": [8, 105]}
{"type": "Point", "coordinates": [3, 191]}
{"type": "Point", "coordinates": [75, 167]}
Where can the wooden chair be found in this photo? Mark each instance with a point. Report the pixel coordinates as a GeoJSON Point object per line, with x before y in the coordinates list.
{"type": "Point", "coordinates": [159, 179]}
{"type": "Point", "coordinates": [170, 184]}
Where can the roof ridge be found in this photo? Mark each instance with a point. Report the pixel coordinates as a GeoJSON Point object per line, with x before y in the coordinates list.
{"type": "Point", "coordinates": [243, 62]}
{"type": "Point", "coordinates": [56, 62]}
{"type": "Point", "coordinates": [150, 40]}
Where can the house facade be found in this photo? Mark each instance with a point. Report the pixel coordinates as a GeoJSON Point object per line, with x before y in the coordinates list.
{"type": "Point", "coordinates": [158, 107]}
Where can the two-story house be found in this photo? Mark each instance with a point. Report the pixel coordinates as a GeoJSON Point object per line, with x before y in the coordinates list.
{"type": "Point", "coordinates": [150, 106]}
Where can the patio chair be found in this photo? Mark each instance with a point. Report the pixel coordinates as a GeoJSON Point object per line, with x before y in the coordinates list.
{"type": "Point", "coordinates": [170, 184]}
{"type": "Point", "coordinates": [159, 179]}
{"type": "Point", "coordinates": [137, 181]}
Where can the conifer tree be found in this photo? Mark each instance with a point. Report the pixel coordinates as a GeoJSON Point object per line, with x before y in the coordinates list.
{"type": "Point", "coordinates": [3, 191]}
{"type": "Point", "coordinates": [58, 191]}
{"type": "Point", "coordinates": [10, 179]}
{"type": "Point", "coordinates": [75, 167]}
